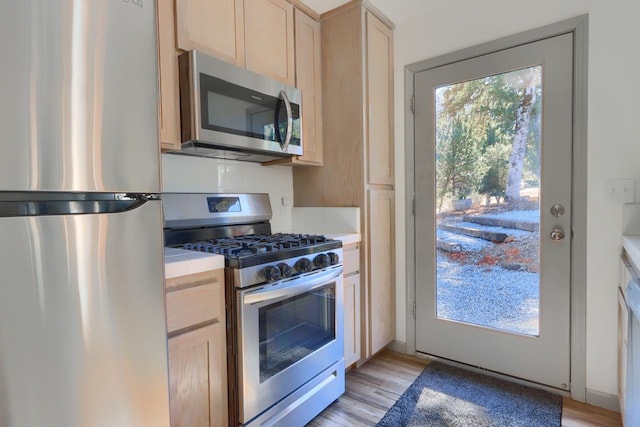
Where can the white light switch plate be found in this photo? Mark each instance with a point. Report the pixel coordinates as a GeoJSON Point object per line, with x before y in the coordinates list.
{"type": "Point", "coordinates": [620, 190]}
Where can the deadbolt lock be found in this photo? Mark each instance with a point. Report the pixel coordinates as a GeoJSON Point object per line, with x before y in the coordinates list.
{"type": "Point", "coordinates": [557, 210]}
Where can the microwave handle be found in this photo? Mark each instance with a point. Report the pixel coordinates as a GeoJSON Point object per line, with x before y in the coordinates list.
{"type": "Point", "coordinates": [287, 105]}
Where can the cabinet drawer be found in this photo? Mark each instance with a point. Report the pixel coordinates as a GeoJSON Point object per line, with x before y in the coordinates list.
{"type": "Point", "coordinates": [193, 305]}
{"type": "Point", "coordinates": [351, 259]}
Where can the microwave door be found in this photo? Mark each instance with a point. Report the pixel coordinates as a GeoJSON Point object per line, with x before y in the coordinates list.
{"type": "Point", "coordinates": [283, 99]}
{"type": "Point", "coordinates": [236, 116]}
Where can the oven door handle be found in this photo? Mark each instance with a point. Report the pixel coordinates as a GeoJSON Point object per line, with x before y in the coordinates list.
{"type": "Point", "coordinates": [271, 295]}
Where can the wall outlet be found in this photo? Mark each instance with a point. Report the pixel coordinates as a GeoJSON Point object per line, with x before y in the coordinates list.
{"type": "Point", "coordinates": [285, 205]}
{"type": "Point", "coordinates": [620, 190]}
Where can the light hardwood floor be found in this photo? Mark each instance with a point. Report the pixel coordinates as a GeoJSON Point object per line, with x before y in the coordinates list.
{"type": "Point", "coordinates": [374, 387]}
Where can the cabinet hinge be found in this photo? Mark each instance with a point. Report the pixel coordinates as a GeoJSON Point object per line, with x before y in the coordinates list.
{"type": "Point", "coordinates": [413, 311]}
{"type": "Point", "coordinates": [413, 104]}
{"type": "Point", "coordinates": [413, 207]}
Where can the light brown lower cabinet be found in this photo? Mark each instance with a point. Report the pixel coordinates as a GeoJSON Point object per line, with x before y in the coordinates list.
{"type": "Point", "coordinates": [626, 274]}
{"type": "Point", "coordinates": [198, 377]}
{"type": "Point", "coordinates": [351, 319]}
{"type": "Point", "coordinates": [352, 307]}
{"type": "Point", "coordinates": [197, 350]}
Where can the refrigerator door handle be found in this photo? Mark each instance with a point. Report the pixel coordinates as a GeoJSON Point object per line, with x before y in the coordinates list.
{"type": "Point", "coordinates": [16, 206]}
{"type": "Point", "coordinates": [137, 196]}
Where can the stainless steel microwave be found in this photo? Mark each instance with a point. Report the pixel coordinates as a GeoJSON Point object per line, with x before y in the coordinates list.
{"type": "Point", "coordinates": [232, 113]}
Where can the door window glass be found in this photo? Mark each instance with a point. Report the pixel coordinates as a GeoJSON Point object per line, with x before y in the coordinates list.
{"type": "Point", "coordinates": [487, 201]}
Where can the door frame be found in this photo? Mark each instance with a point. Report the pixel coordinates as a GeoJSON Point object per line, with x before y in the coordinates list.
{"type": "Point", "coordinates": [579, 27]}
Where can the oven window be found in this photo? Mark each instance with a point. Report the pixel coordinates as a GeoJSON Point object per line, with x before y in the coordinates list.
{"type": "Point", "coordinates": [294, 328]}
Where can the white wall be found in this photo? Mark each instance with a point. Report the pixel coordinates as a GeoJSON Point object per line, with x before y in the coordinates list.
{"type": "Point", "coordinates": [198, 174]}
{"type": "Point", "coordinates": [613, 136]}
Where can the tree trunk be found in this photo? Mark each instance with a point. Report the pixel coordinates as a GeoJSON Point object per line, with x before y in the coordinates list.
{"type": "Point", "coordinates": [516, 160]}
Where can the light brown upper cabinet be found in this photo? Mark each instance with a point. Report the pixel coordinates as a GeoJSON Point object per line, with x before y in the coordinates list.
{"type": "Point", "coordinates": [357, 165]}
{"type": "Point", "coordinates": [263, 36]}
{"type": "Point", "coordinates": [379, 88]}
{"type": "Point", "coordinates": [256, 34]}
{"type": "Point", "coordinates": [309, 81]}
{"type": "Point", "coordinates": [268, 37]}
{"type": "Point", "coordinates": [169, 100]}
{"type": "Point", "coordinates": [214, 27]}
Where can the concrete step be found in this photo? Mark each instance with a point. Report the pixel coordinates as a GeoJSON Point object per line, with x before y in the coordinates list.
{"type": "Point", "coordinates": [492, 236]}
{"type": "Point", "coordinates": [448, 246]}
{"type": "Point", "coordinates": [499, 222]}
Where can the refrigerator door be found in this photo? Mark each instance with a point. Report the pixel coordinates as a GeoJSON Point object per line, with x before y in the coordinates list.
{"type": "Point", "coordinates": [82, 320]}
{"type": "Point", "coordinates": [79, 107]}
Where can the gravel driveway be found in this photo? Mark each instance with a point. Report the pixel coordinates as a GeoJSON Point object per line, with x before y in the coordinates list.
{"type": "Point", "coordinates": [488, 296]}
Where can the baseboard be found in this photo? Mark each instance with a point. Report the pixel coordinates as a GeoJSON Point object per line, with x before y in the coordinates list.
{"type": "Point", "coordinates": [399, 346]}
{"type": "Point", "coordinates": [603, 400]}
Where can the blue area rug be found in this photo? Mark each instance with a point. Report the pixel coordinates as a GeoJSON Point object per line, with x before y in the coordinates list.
{"type": "Point", "coordinates": [443, 395]}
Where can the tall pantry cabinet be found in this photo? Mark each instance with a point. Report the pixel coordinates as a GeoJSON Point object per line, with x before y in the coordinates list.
{"type": "Point", "coordinates": [358, 160]}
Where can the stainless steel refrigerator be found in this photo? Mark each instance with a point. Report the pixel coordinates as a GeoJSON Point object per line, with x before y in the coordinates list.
{"type": "Point", "coordinates": [82, 317]}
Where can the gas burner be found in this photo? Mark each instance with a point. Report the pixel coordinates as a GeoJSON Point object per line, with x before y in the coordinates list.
{"type": "Point", "coordinates": [254, 249]}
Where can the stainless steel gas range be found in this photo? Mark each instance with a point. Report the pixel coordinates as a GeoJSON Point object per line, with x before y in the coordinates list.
{"type": "Point", "coordinates": [284, 305]}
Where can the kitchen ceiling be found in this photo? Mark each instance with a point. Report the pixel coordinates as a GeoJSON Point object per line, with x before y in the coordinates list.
{"type": "Point", "coordinates": [397, 10]}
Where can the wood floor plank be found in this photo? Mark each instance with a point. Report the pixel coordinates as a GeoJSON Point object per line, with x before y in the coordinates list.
{"type": "Point", "coordinates": [580, 414]}
{"type": "Point", "coordinates": [374, 387]}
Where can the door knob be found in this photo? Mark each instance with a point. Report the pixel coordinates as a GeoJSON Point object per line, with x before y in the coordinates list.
{"type": "Point", "coordinates": [557, 234]}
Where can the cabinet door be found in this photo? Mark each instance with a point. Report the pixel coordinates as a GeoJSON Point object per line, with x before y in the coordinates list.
{"type": "Point", "coordinates": [215, 27]}
{"type": "Point", "coordinates": [351, 319]}
{"type": "Point", "coordinates": [379, 76]}
{"type": "Point", "coordinates": [169, 97]}
{"type": "Point", "coordinates": [381, 304]}
{"type": "Point", "coordinates": [198, 377]}
{"type": "Point", "coordinates": [351, 258]}
{"type": "Point", "coordinates": [268, 32]}
{"type": "Point", "coordinates": [309, 80]}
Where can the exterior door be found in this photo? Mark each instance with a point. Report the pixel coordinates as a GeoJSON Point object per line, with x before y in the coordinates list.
{"type": "Point", "coordinates": [493, 167]}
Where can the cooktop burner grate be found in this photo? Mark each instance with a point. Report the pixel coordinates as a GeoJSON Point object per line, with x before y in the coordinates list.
{"type": "Point", "coordinates": [249, 250]}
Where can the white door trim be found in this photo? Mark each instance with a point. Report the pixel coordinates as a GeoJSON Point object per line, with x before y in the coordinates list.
{"type": "Point", "coordinates": [579, 27]}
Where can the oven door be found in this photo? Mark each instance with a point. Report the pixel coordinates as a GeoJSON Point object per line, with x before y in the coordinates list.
{"type": "Point", "coordinates": [289, 333]}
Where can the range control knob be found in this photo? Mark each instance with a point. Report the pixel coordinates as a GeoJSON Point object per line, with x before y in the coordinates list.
{"type": "Point", "coordinates": [334, 258]}
{"type": "Point", "coordinates": [303, 265]}
{"type": "Point", "coordinates": [285, 270]}
{"type": "Point", "coordinates": [321, 261]}
{"type": "Point", "coordinates": [271, 273]}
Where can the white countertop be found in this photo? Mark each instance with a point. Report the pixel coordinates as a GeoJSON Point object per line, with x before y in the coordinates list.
{"type": "Point", "coordinates": [631, 245]}
{"type": "Point", "coordinates": [347, 238]}
{"type": "Point", "coordinates": [180, 262]}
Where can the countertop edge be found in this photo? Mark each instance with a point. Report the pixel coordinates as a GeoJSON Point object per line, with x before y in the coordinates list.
{"type": "Point", "coordinates": [346, 238]}
{"type": "Point", "coordinates": [180, 262]}
{"type": "Point", "coordinates": [631, 246]}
